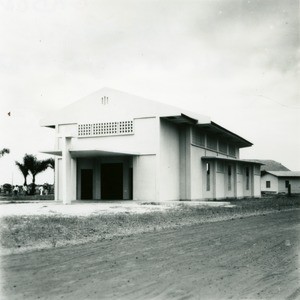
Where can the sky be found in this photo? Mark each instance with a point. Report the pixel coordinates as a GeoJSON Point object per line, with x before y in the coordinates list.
{"type": "Point", "coordinates": [236, 61]}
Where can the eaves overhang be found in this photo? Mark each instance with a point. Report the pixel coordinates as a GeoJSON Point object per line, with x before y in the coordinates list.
{"type": "Point", "coordinates": [286, 174]}
{"type": "Point", "coordinates": [218, 158]}
{"type": "Point", "coordinates": [52, 152]}
{"type": "Point", "coordinates": [94, 153]}
{"type": "Point", "coordinates": [97, 152]}
{"type": "Point", "coordinates": [181, 119]}
{"type": "Point", "coordinates": [225, 134]}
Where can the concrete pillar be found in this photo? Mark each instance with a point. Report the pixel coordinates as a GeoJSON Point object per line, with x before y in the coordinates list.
{"type": "Point", "coordinates": [125, 179]}
{"type": "Point", "coordinates": [66, 171]}
{"type": "Point", "coordinates": [213, 174]}
{"type": "Point", "coordinates": [185, 163]}
{"type": "Point", "coordinates": [252, 180]}
{"type": "Point", "coordinates": [235, 179]}
{"type": "Point", "coordinates": [157, 160]}
{"type": "Point", "coordinates": [56, 180]}
{"type": "Point", "coordinates": [73, 178]}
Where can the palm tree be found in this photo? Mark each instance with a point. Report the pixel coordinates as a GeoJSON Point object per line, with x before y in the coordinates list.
{"type": "Point", "coordinates": [35, 167]}
{"type": "Point", "coordinates": [51, 163]}
{"type": "Point", "coordinates": [24, 170]}
{"type": "Point", "coordinates": [4, 151]}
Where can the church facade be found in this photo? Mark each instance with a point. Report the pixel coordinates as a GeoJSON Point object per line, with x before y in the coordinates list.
{"type": "Point", "coordinates": [113, 145]}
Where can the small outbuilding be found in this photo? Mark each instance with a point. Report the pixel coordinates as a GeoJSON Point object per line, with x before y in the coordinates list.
{"type": "Point", "coordinates": [280, 182]}
{"type": "Point", "coordinates": [113, 145]}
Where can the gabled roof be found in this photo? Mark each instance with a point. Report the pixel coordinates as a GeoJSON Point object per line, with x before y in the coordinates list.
{"type": "Point", "coordinates": [271, 165]}
{"type": "Point", "coordinates": [284, 173]}
{"type": "Point", "coordinates": [106, 103]}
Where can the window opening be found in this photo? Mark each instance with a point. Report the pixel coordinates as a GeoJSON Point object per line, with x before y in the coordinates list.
{"type": "Point", "coordinates": [208, 176]}
{"type": "Point", "coordinates": [229, 178]}
{"type": "Point", "coordinates": [198, 137]}
{"type": "Point", "coordinates": [232, 150]}
{"type": "Point", "coordinates": [268, 184]}
{"type": "Point", "coordinates": [211, 142]}
{"type": "Point", "coordinates": [247, 178]}
{"type": "Point", "coordinates": [222, 147]}
{"type": "Point", "coordinates": [287, 183]}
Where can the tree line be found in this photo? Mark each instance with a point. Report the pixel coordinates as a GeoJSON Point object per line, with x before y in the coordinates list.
{"type": "Point", "coordinates": [31, 165]}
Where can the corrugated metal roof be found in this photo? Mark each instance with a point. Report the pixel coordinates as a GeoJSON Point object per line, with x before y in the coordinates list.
{"type": "Point", "coordinates": [284, 173]}
{"type": "Point", "coordinates": [271, 165]}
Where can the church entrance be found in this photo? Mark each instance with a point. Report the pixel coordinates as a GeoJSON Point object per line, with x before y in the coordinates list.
{"type": "Point", "coordinates": [112, 181]}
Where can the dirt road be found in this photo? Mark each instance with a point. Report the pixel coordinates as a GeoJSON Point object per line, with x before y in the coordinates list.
{"type": "Point", "coordinates": [255, 257]}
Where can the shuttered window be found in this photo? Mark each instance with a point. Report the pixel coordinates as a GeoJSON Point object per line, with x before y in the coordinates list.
{"type": "Point", "coordinates": [211, 143]}
{"type": "Point", "coordinates": [198, 138]}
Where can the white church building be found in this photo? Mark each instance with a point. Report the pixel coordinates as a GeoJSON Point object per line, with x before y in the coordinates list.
{"type": "Point", "coordinates": [113, 145]}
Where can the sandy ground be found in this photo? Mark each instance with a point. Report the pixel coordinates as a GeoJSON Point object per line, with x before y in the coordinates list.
{"type": "Point", "coordinates": [84, 208]}
{"type": "Point", "coordinates": [251, 258]}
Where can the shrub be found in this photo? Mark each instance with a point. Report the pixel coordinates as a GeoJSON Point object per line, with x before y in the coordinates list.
{"type": "Point", "coordinates": [7, 187]}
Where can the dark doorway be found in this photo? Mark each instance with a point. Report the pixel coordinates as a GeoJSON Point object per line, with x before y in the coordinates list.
{"type": "Point", "coordinates": [111, 181]}
{"type": "Point", "coordinates": [131, 183]}
{"type": "Point", "coordinates": [86, 184]}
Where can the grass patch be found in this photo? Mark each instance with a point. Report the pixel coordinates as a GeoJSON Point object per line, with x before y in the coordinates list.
{"type": "Point", "coordinates": [31, 232]}
{"type": "Point", "coordinates": [151, 203]}
{"type": "Point", "coordinates": [27, 197]}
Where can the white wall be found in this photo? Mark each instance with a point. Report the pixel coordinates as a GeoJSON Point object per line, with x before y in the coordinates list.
{"type": "Point", "coordinates": [229, 193]}
{"type": "Point", "coordinates": [294, 182]}
{"type": "Point", "coordinates": [239, 183]}
{"type": "Point", "coordinates": [248, 192]}
{"type": "Point", "coordinates": [211, 193]}
{"type": "Point", "coordinates": [220, 185]}
{"type": "Point", "coordinates": [144, 139]}
{"type": "Point", "coordinates": [185, 163]}
{"type": "Point", "coordinates": [218, 177]}
{"type": "Point", "coordinates": [162, 172]}
{"type": "Point", "coordinates": [64, 130]}
{"type": "Point", "coordinates": [274, 183]}
{"type": "Point", "coordinates": [278, 184]}
{"type": "Point", "coordinates": [257, 191]}
{"type": "Point", "coordinates": [257, 182]}
{"type": "Point", "coordinates": [169, 161]}
{"type": "Point", "coordinates": [144, 178]}
{"type": "Point", "coordinates": [67, 129]}
{"type": "Point", "coordinates": [197, 173]}
{"type": "Point", "coordinates": [59, 180]}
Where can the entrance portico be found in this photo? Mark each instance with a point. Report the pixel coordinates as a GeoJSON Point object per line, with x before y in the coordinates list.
{"type": "Point", "coordinates": [92, 174]}
{"type": "Point", "coordinates": [104, 178]}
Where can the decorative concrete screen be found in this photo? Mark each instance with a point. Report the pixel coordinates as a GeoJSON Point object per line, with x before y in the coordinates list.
{"type": "Point", "coordinates": [105, 129]}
